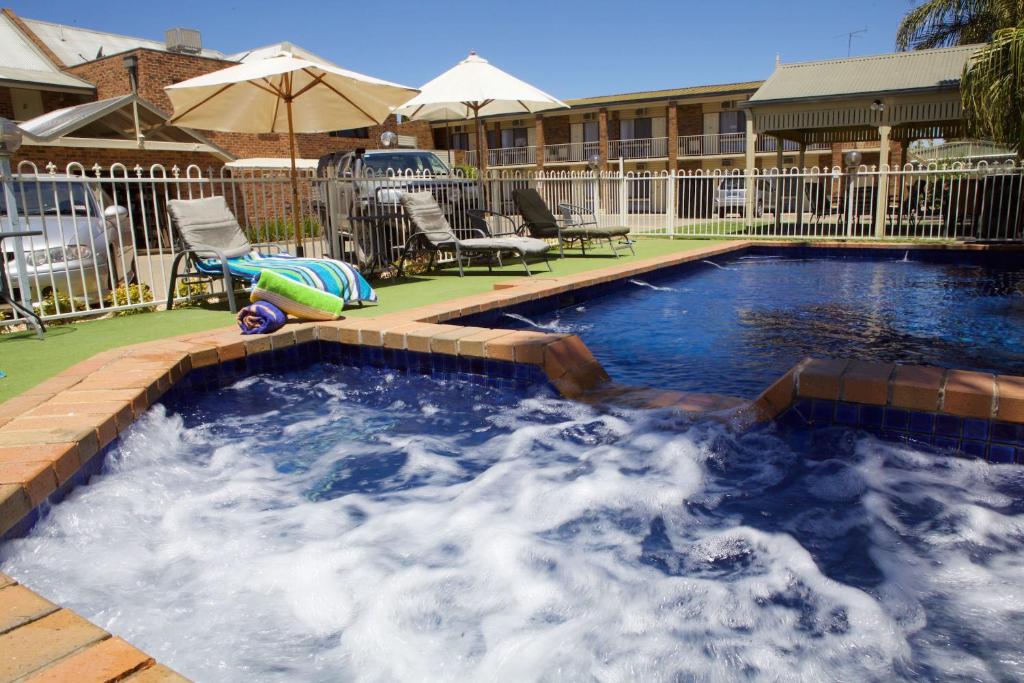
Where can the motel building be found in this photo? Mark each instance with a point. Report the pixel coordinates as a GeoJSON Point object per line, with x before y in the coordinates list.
{"type": "Point", "coordinates": [806, 115]}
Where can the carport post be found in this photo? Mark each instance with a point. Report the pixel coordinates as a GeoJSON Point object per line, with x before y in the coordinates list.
{"type": "Point", "coordinates": [751, 190]}
{"type": "Point", "coordinates": [882, 189]}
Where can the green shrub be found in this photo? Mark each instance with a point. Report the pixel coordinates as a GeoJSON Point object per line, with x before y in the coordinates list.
{"type": "Point", "coordinates": [281, 230]}
{"type": "Point", "coordinates": [466, 171]}
{"type": "Point", "coordinates": [131, 294]}
{"type": "Point", "coordinates": [50, 303]}
{"type": "Point", "coordinates": [195, 291]}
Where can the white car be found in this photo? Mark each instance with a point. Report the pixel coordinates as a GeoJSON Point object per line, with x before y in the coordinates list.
{"type": "Point", "coordinates": [85, 249]}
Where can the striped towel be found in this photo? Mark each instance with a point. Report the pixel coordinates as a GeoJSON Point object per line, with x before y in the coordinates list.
{"type": "Point", "coordinates": [335, 277]}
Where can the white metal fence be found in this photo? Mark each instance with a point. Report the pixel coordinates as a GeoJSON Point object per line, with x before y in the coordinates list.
{"type": "Point", "coordinates": [104, 229]}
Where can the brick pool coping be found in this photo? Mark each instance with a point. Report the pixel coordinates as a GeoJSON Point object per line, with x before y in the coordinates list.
{"type": "Point", "coordinates": [55, 430]}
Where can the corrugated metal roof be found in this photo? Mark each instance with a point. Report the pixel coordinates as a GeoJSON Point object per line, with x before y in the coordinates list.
{"type": "Point", "coordinates": [54, 124]}
{"type": "Point", "coordinates": [74, 45]}
{"type": "Point", "coordinates": [937, 69]}
{"type": "Point", "coordinates": [695, 91]}
{"type": "Point", "coordinates": [22, 62]}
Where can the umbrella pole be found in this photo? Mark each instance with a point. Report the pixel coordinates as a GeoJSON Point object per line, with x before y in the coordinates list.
{"type": "Point", "coordinates": [296, 213]}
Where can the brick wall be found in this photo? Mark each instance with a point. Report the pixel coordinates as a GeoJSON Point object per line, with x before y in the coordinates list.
{"type": "Point", "coordinates": [6, 107]}
{"type": "Point", "coordinates": [556, 130]}
{"type": "Point", "coordinates": [690, 119]}
{"type": "Point", "coordinates": [159, 69]}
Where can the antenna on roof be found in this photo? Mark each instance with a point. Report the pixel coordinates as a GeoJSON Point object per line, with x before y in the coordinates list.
{"type": "Point", "coordinates": [849, 38]}
{"type": "Point", "coordinates": [778, 60]}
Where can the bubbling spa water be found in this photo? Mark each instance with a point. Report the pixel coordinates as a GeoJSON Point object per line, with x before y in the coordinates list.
{"type": "Point", "coordinates": [352, 524]}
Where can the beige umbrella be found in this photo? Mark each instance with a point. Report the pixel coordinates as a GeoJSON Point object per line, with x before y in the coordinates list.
{"type": "Point", "coordinates": [474, 88]}
{"type": "Point", "coordinates": [284, 93]}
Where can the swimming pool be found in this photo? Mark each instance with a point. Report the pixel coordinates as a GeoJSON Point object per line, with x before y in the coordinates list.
{"type": "Point", "coordinates": [334, 523]}
{"type": "Point", "coordinates": [733, 325]}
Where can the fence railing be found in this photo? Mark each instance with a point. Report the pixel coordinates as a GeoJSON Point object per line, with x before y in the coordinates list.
{"type": "Point", "coordinates": [512, 156]}
{"type": "Point", "coordinates": [639, 148]}
{"type": "Point", "coordinates": [725, 144]}
{"type": "Point", "coordinates": [105, 229]}
{"type": "Point", "coordinates": [568, 152]}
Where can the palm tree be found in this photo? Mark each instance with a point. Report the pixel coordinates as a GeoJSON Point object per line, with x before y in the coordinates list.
{"type": "Point", "coordinates": [942, 23]}
{"type": "Point", "coordinates": [991, 90]}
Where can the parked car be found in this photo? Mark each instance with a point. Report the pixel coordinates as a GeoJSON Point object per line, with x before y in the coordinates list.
{"type": "Point", "coordinates": [85, 250]}
{"type": "Point", "coordinates": [381, 176]}
{"type": "Point", "coordinates": [731, 196]}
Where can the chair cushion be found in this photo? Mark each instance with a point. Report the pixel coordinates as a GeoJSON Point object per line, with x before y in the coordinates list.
{"type": "Point", "coordinates": [595, 232]}
{"type": "Point", "coordinates": [209, 223]}
{"type": "Point", "coordinates": [524, 245]}
{"type": "Point", "coordinates": [426, 216]}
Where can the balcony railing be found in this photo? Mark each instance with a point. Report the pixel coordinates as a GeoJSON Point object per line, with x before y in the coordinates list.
{"type": "Point", "coordinates": [512, 156]}
{"type": "Point", "coordinates": [568, 152]}
{"type": "Point", "coordinates": [639, 148]}
{"type": "Point", "coordinates": [724, 144]}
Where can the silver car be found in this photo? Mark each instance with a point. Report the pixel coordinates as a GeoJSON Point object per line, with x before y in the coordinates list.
{"type": "Point", "coordinates": [85, 250]}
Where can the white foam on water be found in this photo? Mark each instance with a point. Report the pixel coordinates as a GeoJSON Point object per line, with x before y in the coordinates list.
{"type": "Point", "coordinates": [552, 326]}
{"type": "Point", "coordinates": [716, 265]}
{"type": "Point", "coordinates": [648, 285]}
{"type": "Point", "coordinates": [226, 569]}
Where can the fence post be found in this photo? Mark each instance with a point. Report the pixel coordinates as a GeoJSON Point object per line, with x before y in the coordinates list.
{"type": "Point", "coordinates": [882, 199]}
{"type": "Point", "coordinates": [670, 204]}
{"type": "Point", "coordinates": [623, 195]}
{"type": "Point", "coordinates": [598, 209]}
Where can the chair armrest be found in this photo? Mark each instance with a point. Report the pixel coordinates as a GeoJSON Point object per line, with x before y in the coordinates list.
{"type": "Point", "coordinates": [271, 247]}
{"type": "Point", "coordinates": [451, 238]}
{"type": "Point", "coordinates": [573, 214]}
{"type": "Point", "coordinates": [484, 213]}
{"type": "Point", "coordinates": [202, 249]}
{"type": "Point", "coordinates": [20, 233]}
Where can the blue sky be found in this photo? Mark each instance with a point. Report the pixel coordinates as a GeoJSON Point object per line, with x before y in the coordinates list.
{"type": "Point", "coordinates": [569, 48]}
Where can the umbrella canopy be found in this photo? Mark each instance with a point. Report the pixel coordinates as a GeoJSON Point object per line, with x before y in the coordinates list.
{"type": "Point", "coordinates": [474, 88]}
{"type": "Point", "coordinates": [284, 94]}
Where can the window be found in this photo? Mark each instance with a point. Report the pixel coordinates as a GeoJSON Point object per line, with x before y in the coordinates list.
{"type": "Point", "coordinates": [459, 141]}
{"type": "Point", "coordinates": [363, 133]}
{"type": "Point", "coordinates": [591, 131]}
{"type": "Point", "coordinates": [514, 137]}
{"type": "Point", "coordinates": [635, 129]}
{"type": "Point", "coordinates": [732, 122]}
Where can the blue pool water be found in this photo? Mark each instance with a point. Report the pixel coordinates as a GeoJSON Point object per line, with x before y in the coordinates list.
{"type": "Point", "coordinates": [336, 523]}
{"type": "Point", "coordinates": [735, 325]}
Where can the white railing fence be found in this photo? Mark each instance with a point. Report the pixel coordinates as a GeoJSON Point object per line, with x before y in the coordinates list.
{"type": "Point", "coordinates": [105, 229]}
{"type": "Point", "coordinates": [639, 148]}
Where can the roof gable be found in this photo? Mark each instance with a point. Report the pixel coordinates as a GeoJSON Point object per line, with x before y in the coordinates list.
{"type": "Point", "coordinates": [920, 70]}
{"type": "Point", "coordinates": [22, 62]}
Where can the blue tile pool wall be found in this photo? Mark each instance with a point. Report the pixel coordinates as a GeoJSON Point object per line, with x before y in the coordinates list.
{"type": "Point", "coordinates": [996, 442]}
{"type": "Point", "coordinates": [496, 374]}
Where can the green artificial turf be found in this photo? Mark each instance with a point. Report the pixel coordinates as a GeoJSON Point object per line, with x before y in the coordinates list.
{"type": "Point", "coordinates": [28, 360]}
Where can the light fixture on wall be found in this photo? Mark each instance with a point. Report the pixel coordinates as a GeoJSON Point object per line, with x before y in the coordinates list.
{"type": "Point", "coordinates": [878, 105]}
{"type": "Point", "coordinates": [853, 158]}
{"type": "Point", "coordinates": [594, 162]}
{"type": "Point", "coordinates": [10, 137]}
{"type": "Point", "coordinates": [387, 138]}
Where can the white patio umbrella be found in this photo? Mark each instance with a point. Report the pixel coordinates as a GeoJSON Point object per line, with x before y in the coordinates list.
{"type": "Point", "coordinates": [474, 88]}
{"type": "Point", "coordinates": [284, 94]}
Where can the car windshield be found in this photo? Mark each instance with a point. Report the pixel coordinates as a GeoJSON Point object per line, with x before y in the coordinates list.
{"type": "Point", "coordinates": [35, 198]}
{"type": "Point", "coordinates": [414, 162]}
{"type": "Point", "coordinates": [734, 183]}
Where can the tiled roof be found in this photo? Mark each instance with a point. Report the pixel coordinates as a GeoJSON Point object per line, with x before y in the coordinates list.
{"type": "Point", "coordinates": [672, 93]}
{"type": "Point", "coordinates": [937, 69]}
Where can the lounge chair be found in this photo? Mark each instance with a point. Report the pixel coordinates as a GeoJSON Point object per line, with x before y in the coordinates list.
{"type": "Point", "coordinates": [216, 248]}
{"type": "Point", "coordinates": [578, 224]}
{"type": "Point", "coordinates": [434, 234]}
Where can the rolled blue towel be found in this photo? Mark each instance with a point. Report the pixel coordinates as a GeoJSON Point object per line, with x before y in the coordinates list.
{"type": "Point", "coordinates": [261, 317]}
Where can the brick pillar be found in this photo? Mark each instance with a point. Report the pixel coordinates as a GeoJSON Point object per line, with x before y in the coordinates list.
{"type": "Point", "coordinates": [538, 124]}
{"type": "Point", "coordinates": [672, 128]}
{"type": "Point", "coordinates": [602, 139]}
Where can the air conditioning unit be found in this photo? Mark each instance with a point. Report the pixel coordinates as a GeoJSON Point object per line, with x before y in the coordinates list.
{"type": "Point", "coordinates": [727, 105]}
{"type": "Point", "coordinates": [589, 117]}
{"type": "Point", "coordinates": [642, 111]}
{"type": "Point", "coordinates": [183, 40]}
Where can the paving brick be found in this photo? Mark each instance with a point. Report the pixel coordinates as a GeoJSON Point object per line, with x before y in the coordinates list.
{"type": "Point", "coordinates": [43, 641]}
{"type": "Point", "coordinates": [38, 478]}
{"type": "Point", "coordinates": [820, 378]}
{"type": "Point", "coordinates": [474, 345]}
{"type": "Point", "coordinates": [19, 605]}
{"type": "Point", "coordinates": [394, 338]}
{"type": "Point", "coordinates": [108, 660]}
{"type": "Point", "coordinates": [157, 674]}
{"type": "Point", "coordinates": [565, 355]}
{"type": "Point", "coordinates": [969, 394]}
{"type": "Point", "coordinates": [778, 397]}
{"type": "Point", "coordinates": [521, 347]}
{"type": "Point", "coordinates": [1011, 398]}
{"type": "Point", "coordinates": [447, 342]}
{"type": "Point", "coordinates": [282, 339]}
{"type": "Point", "coordinates": [14, 504]}
{"type": "Point", "coordinates": [917, 387]}
{"type": "Point", "coordinates": [419, 340]}
{"type": "Point", "coordinates": [62, 456]}
{"type": "Point", "coordinates": [19, 405]}
{"type": "Point", "coordinates": [865, 382]}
